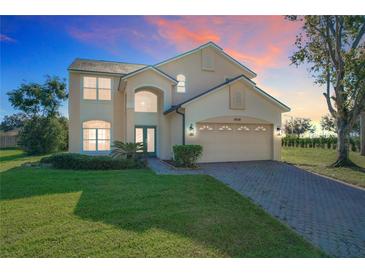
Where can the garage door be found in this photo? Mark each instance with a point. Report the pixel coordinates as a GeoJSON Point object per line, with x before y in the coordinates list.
{"type": "Point", "coordinates": [234, 142]}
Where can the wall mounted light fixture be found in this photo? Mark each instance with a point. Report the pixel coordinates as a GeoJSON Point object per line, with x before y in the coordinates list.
{"type": "Point", "coordinates": [191, 130]}
{"type": "Point", "coordinates": [278, 131]}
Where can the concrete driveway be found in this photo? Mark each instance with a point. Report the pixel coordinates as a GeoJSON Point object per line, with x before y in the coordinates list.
{"type": "Point", "coordinates": [327, 213]}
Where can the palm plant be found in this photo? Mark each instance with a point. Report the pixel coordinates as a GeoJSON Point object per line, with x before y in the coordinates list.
{"type": "Point", "coordinates": [126, 150]}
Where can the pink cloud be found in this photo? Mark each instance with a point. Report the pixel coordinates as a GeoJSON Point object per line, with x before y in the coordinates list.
{"type": "Point", "coordinates": [182, 35]}
{"type": "Point", "coordinates": [6, 38]}
{"type": "Point", "coordinates": [261, 42]}
{"type": "Point", "coordinates": [268, 59]}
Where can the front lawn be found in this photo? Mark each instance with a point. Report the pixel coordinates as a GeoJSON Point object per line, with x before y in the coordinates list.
{"type": "Point", "coordinates": [318, 160]}
{"type": "Point", "coordinates": [132, 213]}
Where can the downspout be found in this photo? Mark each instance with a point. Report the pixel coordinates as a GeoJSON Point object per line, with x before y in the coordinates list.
{"type": "Point", "coordinates": [183, 124]}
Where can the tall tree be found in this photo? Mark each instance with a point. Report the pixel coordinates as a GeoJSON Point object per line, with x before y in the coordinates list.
{"type": "Point", "coordinates": [39, 99]}
{"type": "Point", "coordinates": [298, 126]}
{"type": "Point", "coordinates": [44, 130]}
{"type": "Point", "coordinates": [334, 47]}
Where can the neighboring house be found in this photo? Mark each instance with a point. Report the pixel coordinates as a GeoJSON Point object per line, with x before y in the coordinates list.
{"type": "Point", "coordinates": [202, 96]}
{"type": "Point", "coordinates": [9, 138]}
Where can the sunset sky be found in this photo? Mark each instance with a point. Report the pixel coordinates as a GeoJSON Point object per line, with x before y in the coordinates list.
{"type": "Point", "coordinates": [32, 47]}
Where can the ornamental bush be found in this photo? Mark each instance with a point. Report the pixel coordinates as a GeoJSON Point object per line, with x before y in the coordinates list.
{"type": "Point", "coordinates": [187, 155]}
{"type": "Point", "coordinates": [87, 162]}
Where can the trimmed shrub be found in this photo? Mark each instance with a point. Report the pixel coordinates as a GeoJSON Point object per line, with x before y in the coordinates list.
{"type": "Point", "coordinates": [87, 162]}
{"type": "Point", "coordinates": [187, 155]}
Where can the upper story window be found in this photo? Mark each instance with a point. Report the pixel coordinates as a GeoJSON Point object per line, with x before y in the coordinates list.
{"type": "Point", "coordinates": [97, 88]}
{"type": "Point", "coordinates": [96, 135]}
{"type": "Point", "coordinates": [181, 83]}
{"type": "Point", "coordinates": [145, 101]}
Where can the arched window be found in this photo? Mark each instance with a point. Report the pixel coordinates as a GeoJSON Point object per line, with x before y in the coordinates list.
{"type": "Point", "coordinates": [145, 101]}
{"type": "Point", "coordinates": [181, 83]}
{"type": "Point", "coordinates": [96, 135]}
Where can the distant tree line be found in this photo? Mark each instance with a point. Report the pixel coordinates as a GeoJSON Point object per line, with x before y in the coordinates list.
{"type": "Point", "coordinates": [298, 126]}
{"type": "Point", "coordinates": [329, 142]}
{"type": "Point", "coordinates": [295, 128]}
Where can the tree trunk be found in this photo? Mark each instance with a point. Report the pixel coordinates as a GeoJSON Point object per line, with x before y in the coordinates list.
{"type": "Point", "coordinates": [362, 133]}
{"type": "Point", "coordinates": [342, 144]}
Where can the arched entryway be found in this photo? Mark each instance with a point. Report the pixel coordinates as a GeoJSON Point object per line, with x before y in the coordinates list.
{"type": "Point", "coordinates": [148, 108]}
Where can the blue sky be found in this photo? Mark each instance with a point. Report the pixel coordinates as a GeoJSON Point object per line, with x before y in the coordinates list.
{"type": "Point", "coordinates": [34, 46]}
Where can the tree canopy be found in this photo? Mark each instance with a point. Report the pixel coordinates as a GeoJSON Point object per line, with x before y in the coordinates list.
{"type": "Point", "coordinates": [40, 99]}
{"type": "Point", "coordinates": [298, 126]}
{"type": "Point", "coordinates": [328, 123]}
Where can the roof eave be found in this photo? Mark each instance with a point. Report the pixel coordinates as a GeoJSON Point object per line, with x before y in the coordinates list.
{"type": "Point", "coordinates": [150, 68]}
{"type": "Point", "coordinates": [273, 99]}
{"type": "Point", "coordinates": [96, 72]}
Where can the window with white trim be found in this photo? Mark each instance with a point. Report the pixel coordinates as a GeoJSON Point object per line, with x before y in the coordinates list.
{"type": "Point", "coordinates": [181, 81]}
{"type": "Point", "coordinates": [97, 88]}
{"type": "Point", "coordinates": [96, 135]}
{"type": "Point", "coordinates": [145, 101]}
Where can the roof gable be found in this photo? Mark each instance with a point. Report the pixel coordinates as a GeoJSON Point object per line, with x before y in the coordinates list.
{"type": "Point", "coordinates": [229, 82]}
{"type": "Point", "coordinates": [218, 49]}
{"type": "Point", "coordinates": [163, 74]}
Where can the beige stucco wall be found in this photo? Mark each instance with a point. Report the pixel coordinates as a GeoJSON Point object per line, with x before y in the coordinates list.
{"type": "Point", "coordinates": [198, 80]}
{"type": "Point", "coordinates": [74, 113]}
{"type": "Point", "coordinates": [216, 104]}
{"type": "Point", "coordinates": [175, 127]}
{"type": "Point", "coordinates": [81, 110]}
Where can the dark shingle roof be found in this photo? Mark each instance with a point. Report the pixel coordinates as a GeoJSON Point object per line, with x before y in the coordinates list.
{"type": "Point", "coordinates": [103, 66]}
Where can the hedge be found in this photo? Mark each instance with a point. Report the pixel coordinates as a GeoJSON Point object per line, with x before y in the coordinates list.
{"type": "Point", "coordinates": [187, 155]}
{"type": "Point", "coordinates": [87, 162]}
{"type": "Point", "coordinates": [319, 142]}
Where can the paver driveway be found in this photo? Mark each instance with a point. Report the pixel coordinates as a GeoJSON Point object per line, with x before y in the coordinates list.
{"type": "Point", "coordinates": [329, 214]}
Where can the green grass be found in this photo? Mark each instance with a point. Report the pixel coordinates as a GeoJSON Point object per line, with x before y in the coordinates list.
{"type": "Point", "coordinates": [318, 160]}
{"type": "Point", "coordinates": [10, 158]}
{"type": "Point", "coordinates": [133, 213]}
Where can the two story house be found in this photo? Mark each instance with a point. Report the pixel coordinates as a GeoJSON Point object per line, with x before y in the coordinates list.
{"type": "Point", "coordinates": [203, 96]}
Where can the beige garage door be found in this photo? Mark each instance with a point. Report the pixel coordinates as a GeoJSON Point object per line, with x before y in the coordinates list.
{"type": "Point", "coordinates": [234, 142]}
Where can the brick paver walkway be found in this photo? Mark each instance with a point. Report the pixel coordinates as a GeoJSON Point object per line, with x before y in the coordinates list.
{"type": "Point", "coordinates": [327, 213]}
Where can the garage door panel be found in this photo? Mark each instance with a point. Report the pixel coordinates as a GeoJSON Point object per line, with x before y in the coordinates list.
{"type": "Point", "coordinates": [222, 146]}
